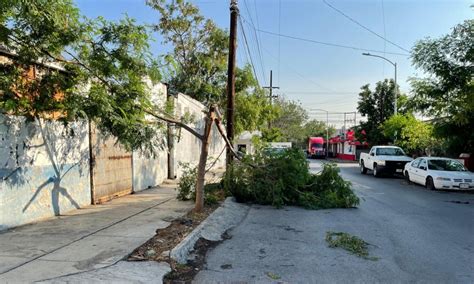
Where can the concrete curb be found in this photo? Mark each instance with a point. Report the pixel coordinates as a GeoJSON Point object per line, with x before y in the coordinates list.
{"type": "Point", "coordinates": [222, 219]}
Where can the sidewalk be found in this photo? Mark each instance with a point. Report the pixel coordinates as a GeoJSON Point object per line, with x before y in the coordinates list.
{"type": "Point", "coordinates": [88, 239]}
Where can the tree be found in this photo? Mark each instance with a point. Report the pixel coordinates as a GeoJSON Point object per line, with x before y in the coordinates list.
{"type": "Point", "coordinates": [198, 63]}
{"type": "Point", "coordinates": [377, 106]}
{"type": "Point", "coordinates": [411, 134]}
{"type": "Point", "coordinates": [448, 93]}
{"type": "Point", "coordinates": [290, 120]}
{"type": "Point", "coordinates": [112, 59]}
{"type": "Point", "coordinates": [102, 77]}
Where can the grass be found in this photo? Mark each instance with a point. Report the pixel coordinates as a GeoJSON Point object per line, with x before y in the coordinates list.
{"type": "Point", "coordinates": [352, 244]}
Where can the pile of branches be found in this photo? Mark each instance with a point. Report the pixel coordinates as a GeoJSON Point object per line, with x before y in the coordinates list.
{"type": "Point", "coordinates": [284, 178]}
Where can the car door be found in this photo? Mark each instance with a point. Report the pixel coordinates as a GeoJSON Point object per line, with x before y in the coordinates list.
{"type": "Point", "coordinates": [413, 168]}
{"type": "Point", "coordinates": [422, 171]}
{"type": "Point", "coordinates": [370, 162]}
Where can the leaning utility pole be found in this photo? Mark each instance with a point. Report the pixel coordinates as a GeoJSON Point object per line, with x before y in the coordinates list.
{"type": "Point", "coordinates": [234, 13]}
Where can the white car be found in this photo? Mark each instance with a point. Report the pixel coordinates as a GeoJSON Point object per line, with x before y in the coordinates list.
{"type": "Point", "coordinates": [439, 173]}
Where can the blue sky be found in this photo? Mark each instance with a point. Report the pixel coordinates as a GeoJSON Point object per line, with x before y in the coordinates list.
{"type": "Point", "coordinates": [302, 70]}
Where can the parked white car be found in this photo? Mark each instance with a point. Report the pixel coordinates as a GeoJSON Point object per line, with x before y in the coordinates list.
{"type": "Point", "coordinates": [439, 173]}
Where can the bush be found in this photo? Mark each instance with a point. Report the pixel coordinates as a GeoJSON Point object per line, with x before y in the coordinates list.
{"type": "Point", "coordinates": [280, 179]}
{"type": "Point", "coordinates": [213, 192]}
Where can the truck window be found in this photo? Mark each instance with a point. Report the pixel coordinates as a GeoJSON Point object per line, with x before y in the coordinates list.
{"type": "Point", "coordinates": [389, 152]}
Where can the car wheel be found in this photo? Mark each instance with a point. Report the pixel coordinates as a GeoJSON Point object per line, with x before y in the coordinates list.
{"type": "Point", "coordinates": [430, 184]}
{"type": "Point", "coordinates": [376, 171]}
{"type": "Point", "coordinates": [363, 169]}
{"type": "Point", "coordinates": [407, 177]}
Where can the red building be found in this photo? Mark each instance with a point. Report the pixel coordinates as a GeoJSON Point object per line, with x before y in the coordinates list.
{"type": "Point", "coordinates": [345, 146]}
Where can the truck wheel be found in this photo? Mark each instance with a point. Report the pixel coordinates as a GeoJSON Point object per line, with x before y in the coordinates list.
{"type": "Point", "coordinates": [376, 171]}
{"type": "Point", "coordinates": [363, 169]}
{"type": "Point", "coordinates": [430, 184]}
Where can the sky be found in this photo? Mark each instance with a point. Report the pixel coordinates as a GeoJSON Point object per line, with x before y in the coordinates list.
{"type": "Point", "coordinates": [319, 76]}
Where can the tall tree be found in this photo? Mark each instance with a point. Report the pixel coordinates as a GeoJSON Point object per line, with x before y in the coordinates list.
{"type": "Point", "coordinates": [377, 106]}
{"type": "Point", "coordinates": [198, 62]}
{"type": "Point", "coordinates": [448, 93]}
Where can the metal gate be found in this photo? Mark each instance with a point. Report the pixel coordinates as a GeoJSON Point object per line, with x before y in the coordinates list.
{"type": "Point", "coordinates": [111, 168]}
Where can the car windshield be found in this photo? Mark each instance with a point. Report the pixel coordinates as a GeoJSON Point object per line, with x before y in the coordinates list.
{"type": "Point", "coordinates": [316, 145]}
{"type": "Point", "coordinates": [274, 151]}
{"type": "Point", "coordinates": [390, 152]}
{"type": "Point", "coordinates": [446, 165]}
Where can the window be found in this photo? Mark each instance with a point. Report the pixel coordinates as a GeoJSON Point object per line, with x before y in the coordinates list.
{"type": "Point", "coordinates": [390, 152]}
{"type": "Point", "coordinates": [415, 163]}
{"type": "Point", "coordinates": [445, 165]}
{"type": "Point", "coordinates": [423, 164]}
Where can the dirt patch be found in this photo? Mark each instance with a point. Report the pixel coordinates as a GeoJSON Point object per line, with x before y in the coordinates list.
{"type": "Point", "coordinates": [185, 273]}
{"type": "Point", "coordinates": [158, 248]}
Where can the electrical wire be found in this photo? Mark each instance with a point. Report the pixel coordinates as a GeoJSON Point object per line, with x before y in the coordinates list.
{"type": "Point", "coordinates": [248, 49]}
{"type": "Point", "coordinates": [331, 44]}
{"type": "Point", "coordinates": [257, 40]}
{"type": "Point", "coordinates": [364, 27]}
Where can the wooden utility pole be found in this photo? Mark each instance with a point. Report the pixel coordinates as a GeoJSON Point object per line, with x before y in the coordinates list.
{"type": "Point", "coordinates": [234, 13]}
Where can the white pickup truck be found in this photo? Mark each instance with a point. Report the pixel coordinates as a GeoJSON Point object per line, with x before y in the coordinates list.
{"type": "Point", "coordinates": [388, 159]}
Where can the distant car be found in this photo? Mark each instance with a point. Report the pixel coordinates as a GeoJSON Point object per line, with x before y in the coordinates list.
{"type": "Point", "coordinates": [439, 173]}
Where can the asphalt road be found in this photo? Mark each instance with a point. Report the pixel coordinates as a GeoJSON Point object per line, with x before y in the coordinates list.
{"type": "Point", "coordinates": [417, 236]}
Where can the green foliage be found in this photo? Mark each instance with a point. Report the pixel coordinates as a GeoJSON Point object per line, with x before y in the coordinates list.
{"type": "Point", "coordinates": [99, 69]}
{"type": "Point", "coordinates": [352, 244]}
{"type": "Point", "coordinates": [412, 135]}
{"type": "Point", "coordinates": [213, 192]}
{"type": "Point", "coordinates": [377, 106]}
{"type": "Point", "coordinates": [448, 92]}
{"type": "Point", "coordinates": [283, 178]}
{"type": "Point", "coordinates": [187, 183]}
{"type": "Point", "coordinates": [198, 63]}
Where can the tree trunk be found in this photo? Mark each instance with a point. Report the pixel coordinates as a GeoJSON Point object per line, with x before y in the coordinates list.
{"type": "Point", "coordinates": [199, 206]}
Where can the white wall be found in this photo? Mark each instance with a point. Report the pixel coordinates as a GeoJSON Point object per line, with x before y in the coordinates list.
{"type": "Point", "coordinates": [151, 171]}
{"type": "Point", "coordinates": [188, 147]}
{"type": "Point", "coordinates": [44, 169]}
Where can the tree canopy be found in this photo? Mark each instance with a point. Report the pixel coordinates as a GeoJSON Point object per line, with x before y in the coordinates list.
{"type": "Point", "coordinates": [377, 106]}
{"type": "Point", "coordinates": [447, 93]}
{"type": "Point", "coordinates": [96, 68]}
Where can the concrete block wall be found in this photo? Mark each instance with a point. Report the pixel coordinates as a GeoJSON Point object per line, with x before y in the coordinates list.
{"type": "Point", "coordinates": [44, 169]}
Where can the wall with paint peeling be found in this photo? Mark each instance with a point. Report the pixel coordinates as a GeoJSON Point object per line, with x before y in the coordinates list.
{"type": "Point", "coordinates": [44, 169]}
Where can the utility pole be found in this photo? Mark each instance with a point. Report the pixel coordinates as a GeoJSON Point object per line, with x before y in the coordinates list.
{"type": "Point", "coordinates": [271, 87]}
{"type": "Point", "coordinates": [234, 13]}
{"type": "Point", "coordinates": [271, 96]}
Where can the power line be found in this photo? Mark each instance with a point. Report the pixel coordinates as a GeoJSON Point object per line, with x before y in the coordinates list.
{"type": "Point", "coordinates": [321, 92]}
{"type": "Point", "coordinates": [279, 39]}
{"type": "Point", "coordinates": [384, 35]}
{"type": "Point", "coordinates": [332, 44]}
{"type": "Point", "coordinates": [262, 68]}
{"type": "Point", "coordinates": [364, 27]}
{"type": "Point", "coordinates": [248, 49]}
{"type": "Point", "coordinates": [298, 73]}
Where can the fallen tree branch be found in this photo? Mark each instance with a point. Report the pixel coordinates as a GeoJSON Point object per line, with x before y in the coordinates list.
{"type": "Point", "coordinates": [177, 122]}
